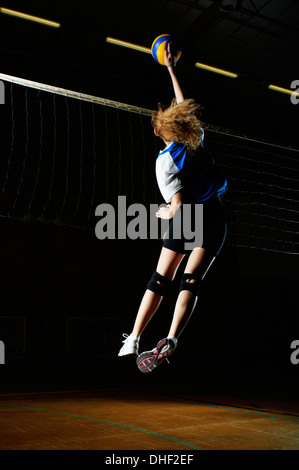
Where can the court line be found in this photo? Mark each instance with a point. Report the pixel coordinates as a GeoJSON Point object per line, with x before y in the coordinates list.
{"type": "Point", "coordinates": [262, 413]}
{"type": "Point", "coordinates": [126, 426]}
{"type": "Point", "coordinates": [220, 407]}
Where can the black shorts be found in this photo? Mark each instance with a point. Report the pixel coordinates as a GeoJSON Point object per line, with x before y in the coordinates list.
{"type": "Point", "coordinates": [213, 230]}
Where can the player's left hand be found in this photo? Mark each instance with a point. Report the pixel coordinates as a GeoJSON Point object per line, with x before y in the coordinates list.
{"type": "Point", "coordinates": [164, 213]}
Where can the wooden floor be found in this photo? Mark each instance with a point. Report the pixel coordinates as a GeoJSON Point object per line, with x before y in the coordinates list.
{"type": "Point", "coordinates": [122, 419]}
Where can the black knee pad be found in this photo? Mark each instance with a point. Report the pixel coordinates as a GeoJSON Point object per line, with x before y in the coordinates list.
{"type": "Point", "coordinates": [190, 286]}
{"type": "Point", "coordinates": [158, 283]}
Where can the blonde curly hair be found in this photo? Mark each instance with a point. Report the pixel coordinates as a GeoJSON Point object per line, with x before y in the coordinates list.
{"type": "Point", "coordinates": [179, 123]}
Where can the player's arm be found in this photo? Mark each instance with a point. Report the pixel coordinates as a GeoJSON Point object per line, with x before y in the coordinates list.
{"type": "Point", "coordinates": [170, 61]}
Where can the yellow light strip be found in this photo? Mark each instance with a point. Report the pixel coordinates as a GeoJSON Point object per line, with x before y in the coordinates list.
{"type": "Point", "coordinates": [215, 70]}
{"type": "Point", "coordinates": [282, 90]}
{"type": "Point", "coordinates": [24, 16]}
{"type": "Point", "coordinates": [129, 45]}
{"type": "Point", "coordinates": [147, 50]}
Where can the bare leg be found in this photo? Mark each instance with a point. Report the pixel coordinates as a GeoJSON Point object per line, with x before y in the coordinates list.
{"type": "Point", "coordinates": [168, 264]}
{"type": "Point", "coordinates": [198, 264]}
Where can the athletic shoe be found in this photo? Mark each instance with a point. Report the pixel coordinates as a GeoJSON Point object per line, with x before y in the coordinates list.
{"type": "Point", "coordinates": [130, 346]}
{"type": "Point", "coordinates": [149, 360]}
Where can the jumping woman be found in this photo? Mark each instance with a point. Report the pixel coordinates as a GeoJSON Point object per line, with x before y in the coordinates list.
{"type": "Point", "coordinates": [186, 174]}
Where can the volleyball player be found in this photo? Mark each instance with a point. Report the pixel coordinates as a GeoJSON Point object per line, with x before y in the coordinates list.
{"type": "Point", "coordinates": [186, 174]}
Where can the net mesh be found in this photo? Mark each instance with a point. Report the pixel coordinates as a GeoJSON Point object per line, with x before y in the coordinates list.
{"type": "Point", "coordinates": [63, 153]}
{"type": "Point", "coordinates": [262, 201]}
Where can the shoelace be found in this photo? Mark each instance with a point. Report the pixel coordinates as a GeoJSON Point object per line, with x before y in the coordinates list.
{"type": "Point", "coordinates": [125, 336]}
{"type": "Point", "coordinates": [165, 349]}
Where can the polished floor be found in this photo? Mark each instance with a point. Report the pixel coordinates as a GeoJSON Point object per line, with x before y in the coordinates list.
{"type": "Point", "coordinates": [124, 419]}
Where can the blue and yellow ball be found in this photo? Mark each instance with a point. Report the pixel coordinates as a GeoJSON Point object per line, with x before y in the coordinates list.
{"type": "Point", "coordinates": [158, 48]}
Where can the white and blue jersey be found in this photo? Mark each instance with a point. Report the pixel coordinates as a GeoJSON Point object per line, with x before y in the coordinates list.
{"type": "Point", "coordinates": [193, 173]}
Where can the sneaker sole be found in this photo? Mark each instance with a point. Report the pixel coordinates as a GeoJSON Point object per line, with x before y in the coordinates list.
{"type": "Point", "coordinates": [149, 360]}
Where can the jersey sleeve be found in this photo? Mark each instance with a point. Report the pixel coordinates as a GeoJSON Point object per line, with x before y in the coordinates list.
{"type": "Point", "coordinates": [167, 176]}
{"type": "Point", "coordinates": [202, 136]}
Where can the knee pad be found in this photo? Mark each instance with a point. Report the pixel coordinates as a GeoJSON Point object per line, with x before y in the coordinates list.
{"type": "Point", "coordinates": [158, 283]}
{"type": "Point", "coordinates": [190, 282]}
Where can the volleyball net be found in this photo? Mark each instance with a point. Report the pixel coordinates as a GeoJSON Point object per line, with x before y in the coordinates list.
{"type": "Point", "coordinates": [63, 153]}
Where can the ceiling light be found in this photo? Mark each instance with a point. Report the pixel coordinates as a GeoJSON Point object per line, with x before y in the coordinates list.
{"type": "Point", "coordinates": [129, 45]}
{"type": "Point", "coordinates": [282, 90]}
{"type": "Point", "coordinates": [24, 16]}
{"type": "Point", "coordinates": [215, 70]}
{"type": "Point", "coordinates": [136, 47]}
{"type": "Point", "coordinates": [228, 5]}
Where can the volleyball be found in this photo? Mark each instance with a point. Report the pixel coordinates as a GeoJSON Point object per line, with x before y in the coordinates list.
{"type": "Point", "coordinates": [158, 48]}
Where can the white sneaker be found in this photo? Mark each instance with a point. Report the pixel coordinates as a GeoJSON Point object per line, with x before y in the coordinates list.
{"type": "Point", "coordinates": [130, 346]}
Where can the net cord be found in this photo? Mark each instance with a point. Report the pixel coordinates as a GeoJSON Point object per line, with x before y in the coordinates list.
{"type": "Point", "coordinates": [123, 106]}
{"type": "Point", "coordinates": [75, 94]}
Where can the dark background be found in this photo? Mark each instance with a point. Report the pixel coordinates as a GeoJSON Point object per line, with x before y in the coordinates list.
{"type": "Point", "coordinates": [257, 40]}
{"type": "Point", "coordinates": [66, 296]}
